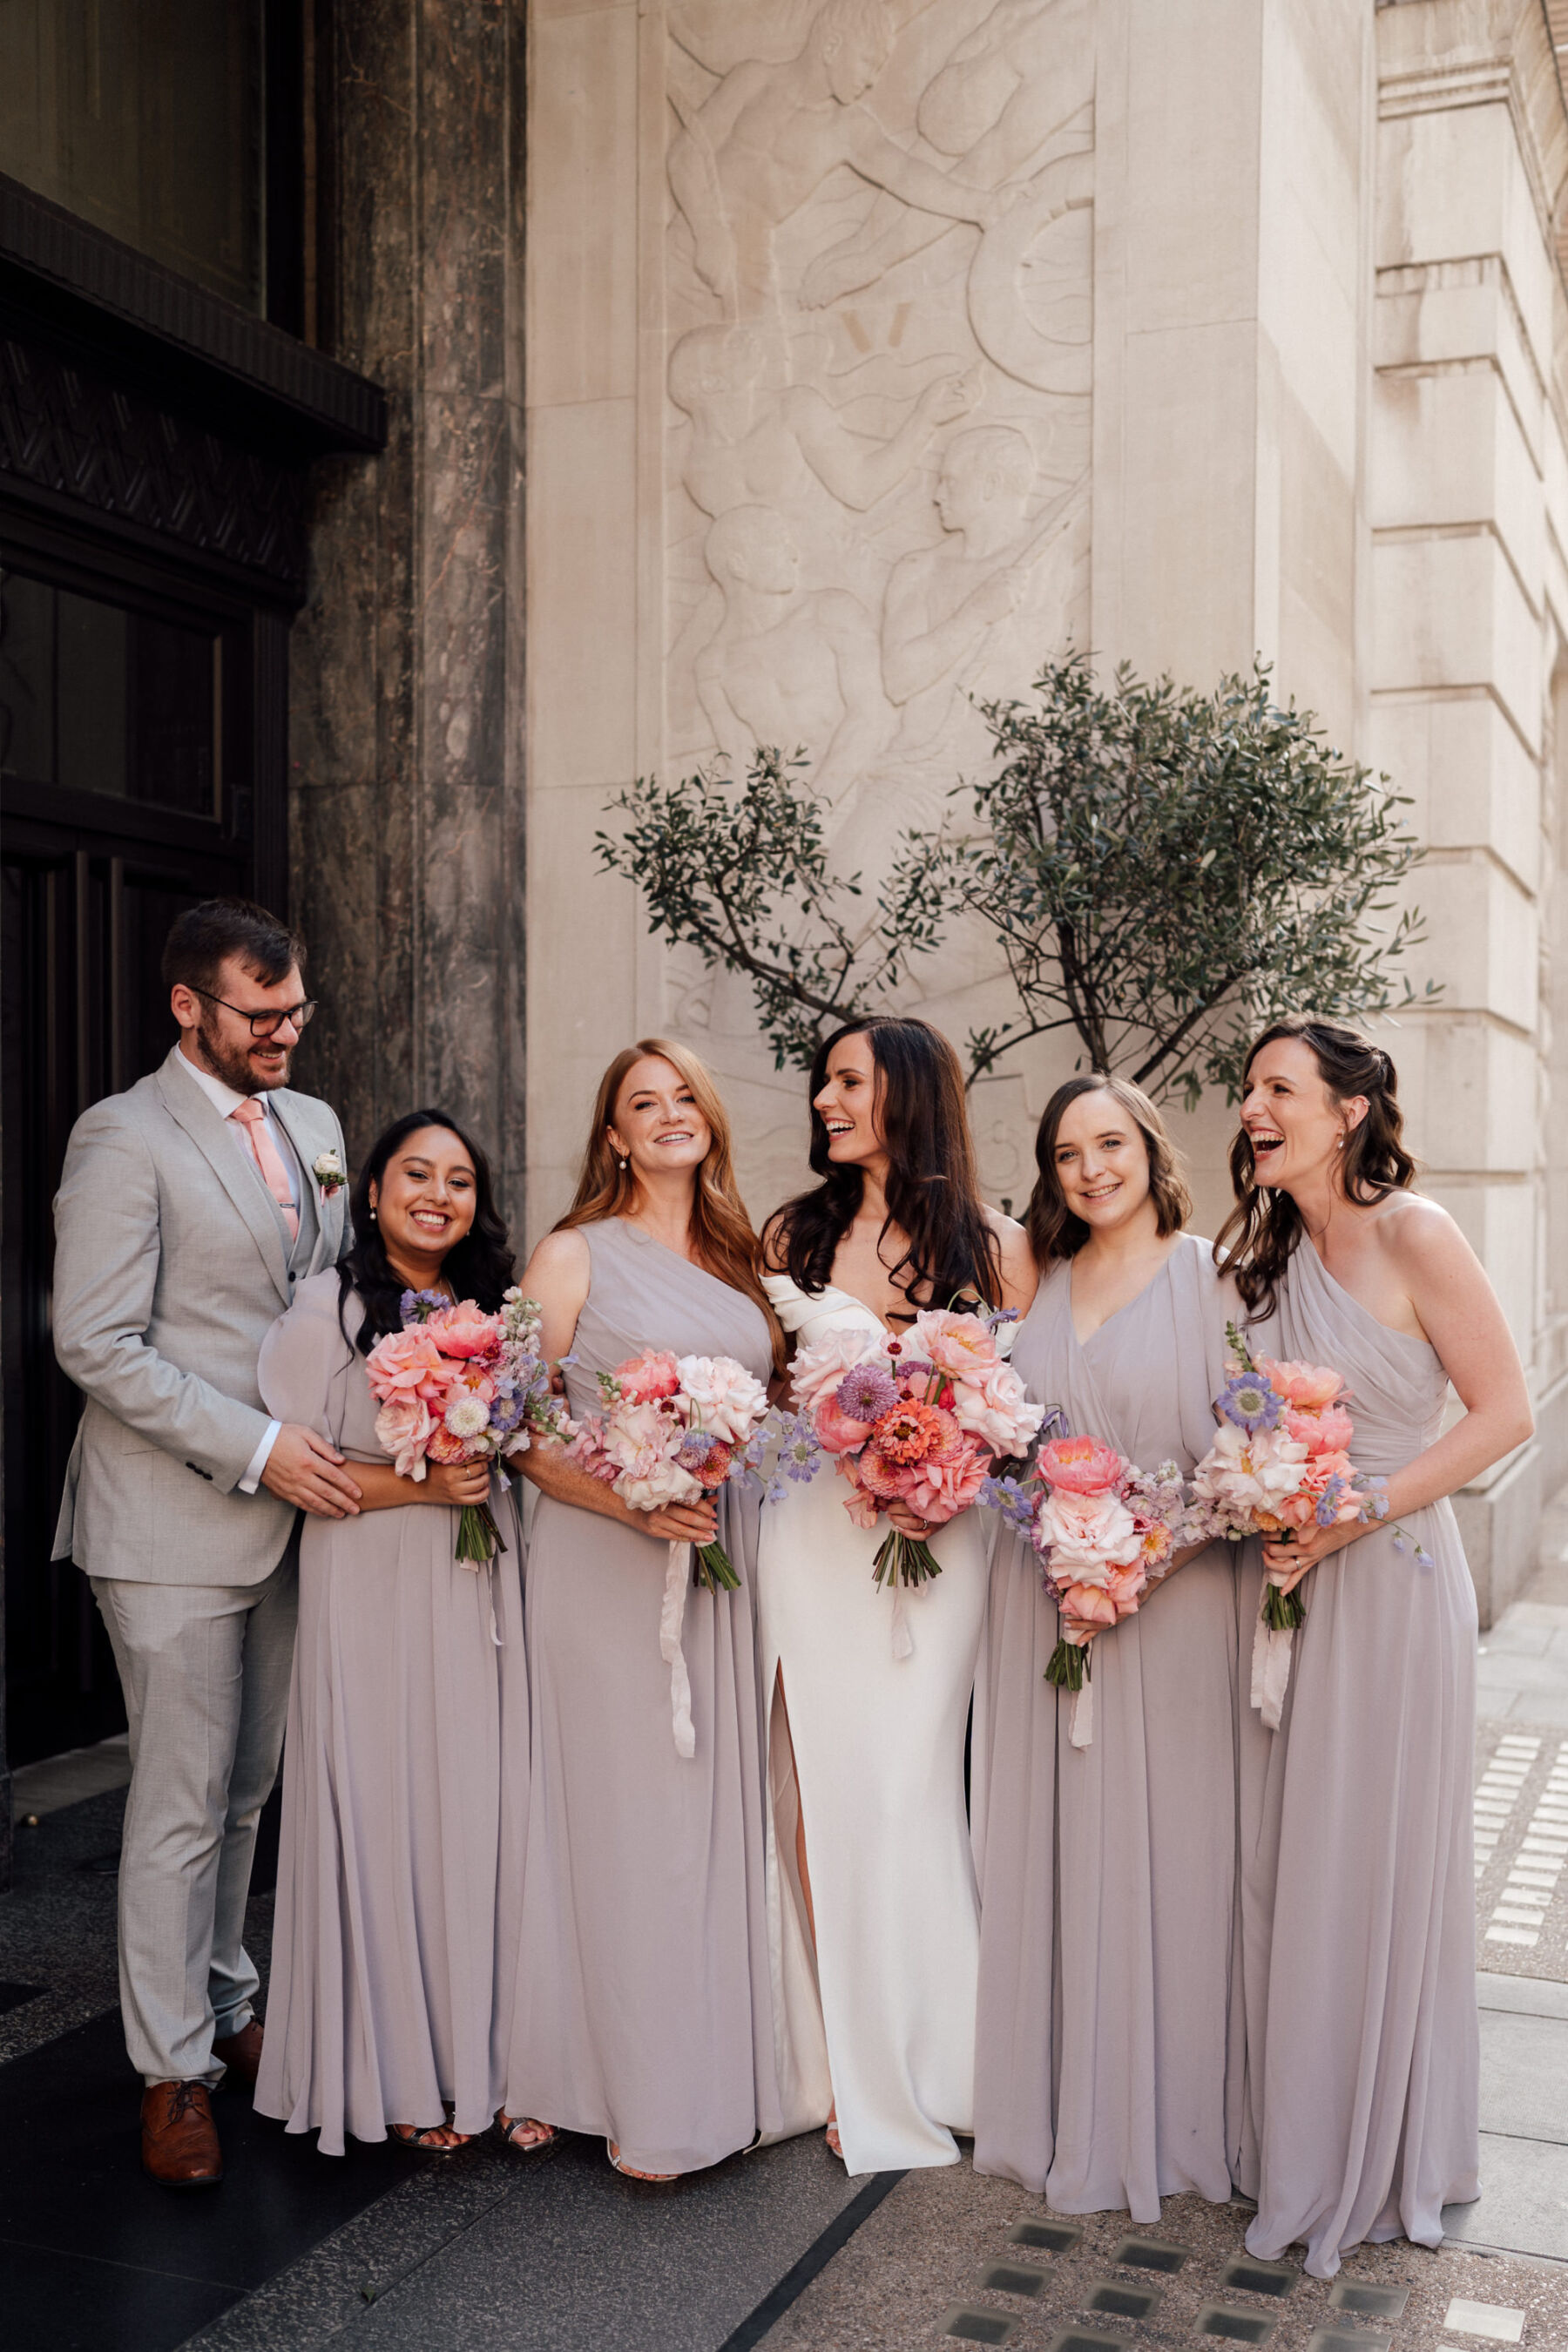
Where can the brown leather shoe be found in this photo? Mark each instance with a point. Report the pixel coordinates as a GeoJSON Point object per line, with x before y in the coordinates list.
{"type": "Point", "coordinates": [241, 2053]}
{"type": "Point", "coordinates": [179, 2139]}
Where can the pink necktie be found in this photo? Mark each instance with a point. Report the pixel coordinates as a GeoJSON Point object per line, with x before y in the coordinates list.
{"type": "Point", "coordinates": [274, 1175]}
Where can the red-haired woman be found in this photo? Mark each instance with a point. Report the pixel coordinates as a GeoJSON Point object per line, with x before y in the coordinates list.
{"type": "Point", "coordinates": [643, 2010]}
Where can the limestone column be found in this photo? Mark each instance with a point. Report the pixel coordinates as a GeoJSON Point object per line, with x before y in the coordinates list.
{"type": "Point", "coordinates": [407, 854]}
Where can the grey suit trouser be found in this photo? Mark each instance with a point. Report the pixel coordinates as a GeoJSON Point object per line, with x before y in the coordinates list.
{"type": "Point", "coordinates": [205, 1669]}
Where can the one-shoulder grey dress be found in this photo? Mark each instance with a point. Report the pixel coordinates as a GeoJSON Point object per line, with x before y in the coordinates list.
{"type": "Point", "coordinates": [643, 2008]}
{"type": "Point", "coordinates": [405, 1789]}
{"type": "Point", "coordinates": [1108, 2041]}
{"type": "Point", "coordinates": [1358, 1875]}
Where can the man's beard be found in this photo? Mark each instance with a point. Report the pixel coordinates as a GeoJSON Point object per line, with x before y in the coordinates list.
{"type": "Point", "coordinates": [233, 1064]}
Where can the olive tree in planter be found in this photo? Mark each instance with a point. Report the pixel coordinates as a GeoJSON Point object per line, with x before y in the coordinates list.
{"type": "Point", "coordinates": [1162, 869]}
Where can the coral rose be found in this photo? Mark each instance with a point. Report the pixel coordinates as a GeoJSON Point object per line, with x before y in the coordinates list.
{"type": "Point", "coordinates": [1088, 1604]}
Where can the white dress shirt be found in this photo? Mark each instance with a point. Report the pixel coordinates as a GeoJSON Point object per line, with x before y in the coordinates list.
{"type": "Point", "coordinates": [226, 1101]}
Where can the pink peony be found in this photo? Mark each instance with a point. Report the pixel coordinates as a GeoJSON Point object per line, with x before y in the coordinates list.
{"type": "Point", "coordinates": [824, 1364]}
{"type": "Point", "coordinates": [726, 1398]}
{"type": "Point", "coordinates": [1078, 1466]}
{"type": "Point", "coordinates": [1246, 1473]}
{"type": "Point", "coordinates": [1321, 1433]}
{"type": "Point", "coordinates": [409, 1363]}
{"type": "Point", "coordinates": [464, 1330]}
{"type": "Point", "coordinates": [939, 1490]}
{"type": "Point", "coordinates": [1309, 1387]}
{"type": "Point", "coordinates": [956, 1343]}
{"type": "Point", "coordinates": [994, 1406]}
{"type": "Point", "coordinates": [1126, 1587]}
{"type": "Point", "coordinates": [646, 1378]}
{"type": "Point", "coordinates": [403, 1426]}
{"type": "Point", "coordinates": [836, 1432]}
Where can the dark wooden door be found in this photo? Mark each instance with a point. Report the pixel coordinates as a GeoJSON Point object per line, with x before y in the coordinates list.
{"type": "Point", "coordinates": [125, 722]}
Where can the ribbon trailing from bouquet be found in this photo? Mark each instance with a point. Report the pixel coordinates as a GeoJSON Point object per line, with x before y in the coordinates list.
{"type": "Point", "coordinates": [903, 1639]}
{"type": "Point", "coordinates": [1080, 1717]}
{"type": "Point", "coordinates": [671, 1616]}
{"type": "Point", "coordinates": [1271, 1669]}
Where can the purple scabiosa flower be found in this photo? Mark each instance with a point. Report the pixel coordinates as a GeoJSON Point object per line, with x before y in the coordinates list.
{"type": "Point", "coordinates": [799, 1455]}
{"type": "Point", "coordinates": [1248, 1401]}
{"type": "Point", "coordinates": [865, 1393]}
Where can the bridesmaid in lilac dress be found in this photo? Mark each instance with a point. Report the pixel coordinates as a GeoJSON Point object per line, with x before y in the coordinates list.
{"type": "Point", "coordinates": [1107, 2032]}
{"type": "Point", "coordinates": [1357, 1885]}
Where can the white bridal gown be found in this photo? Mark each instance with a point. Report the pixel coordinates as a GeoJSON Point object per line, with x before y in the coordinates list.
{"type": "Point", "coordinates": [887, 2013]}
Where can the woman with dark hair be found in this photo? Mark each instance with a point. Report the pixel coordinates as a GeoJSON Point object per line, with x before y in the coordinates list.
{"type": "Point", "coordinates": [1357, 1891]}
{"type": "Point", "coordinates": [1109, 1867]}
{"type": "Point", "coordinates": [868, 1690]}
{"type": "Point", "coordinates": [643, 2012]}
{"type": "Point", "coordinates": [406, 1777]}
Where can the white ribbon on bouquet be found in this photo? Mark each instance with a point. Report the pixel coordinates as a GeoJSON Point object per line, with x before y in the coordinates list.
{"type": "Point", "coordinates": [1270, 1667]}
{"type": "Point", "coordinates": [671, 1616]}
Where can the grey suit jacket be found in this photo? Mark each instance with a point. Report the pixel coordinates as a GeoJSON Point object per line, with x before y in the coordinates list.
{"type": "Point", "coordinates": [172, 1261]}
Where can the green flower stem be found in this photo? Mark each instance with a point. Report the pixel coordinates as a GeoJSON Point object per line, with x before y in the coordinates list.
{"type": "Point", "coordinates": [1282, 1611]}
{"type": "Point", "coordinates": [1069, 1666]}
{"type": "Point", "coordinates": [478, 1538]}
{"type": "Point", "coordinates": [711, 1568]}
{"type": "Point", "coordinates": [905, 1559]}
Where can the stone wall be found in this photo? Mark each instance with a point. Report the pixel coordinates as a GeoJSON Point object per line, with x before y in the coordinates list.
{"type": "Point", "coordinates": [408, 745]}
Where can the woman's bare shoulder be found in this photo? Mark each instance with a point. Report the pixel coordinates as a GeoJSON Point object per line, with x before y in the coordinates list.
{"type": "Point", "coordinates": [561, 1257]}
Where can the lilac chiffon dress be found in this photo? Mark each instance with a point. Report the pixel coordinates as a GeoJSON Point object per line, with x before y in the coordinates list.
{"type": "Point", "coordinates": [1358, 1882]}
{"type": "Point", "coordinates": [405, 1789]}
{"type": "Point", "coordinates": [643, 2008]}
{"type": "Point", "coordinates": [1108, 2040]}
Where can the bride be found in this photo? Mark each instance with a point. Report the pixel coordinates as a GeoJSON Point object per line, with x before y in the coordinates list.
{"type": "Point", "coordinates": [871, 1884]}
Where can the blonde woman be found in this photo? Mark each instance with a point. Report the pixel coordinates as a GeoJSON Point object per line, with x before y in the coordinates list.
{"type": "Point", "coordinates": [643, 2008]}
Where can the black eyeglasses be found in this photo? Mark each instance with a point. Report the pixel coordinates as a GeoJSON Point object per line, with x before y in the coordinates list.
{"type": "Point", "coordinates": [263, 1024]}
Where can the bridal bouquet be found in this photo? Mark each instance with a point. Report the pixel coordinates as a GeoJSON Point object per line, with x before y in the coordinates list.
{"type": "Point", "coordinates": [919, 1420]}
{"type": "Point", "coordinates": [1103, 1530]}
{"type": "Point", "coordinates": [458, 1385]}
{"type": "Point", "coordinates": [1280, 1463]}
{"type": "Point", "coordinates": [674, 1429]}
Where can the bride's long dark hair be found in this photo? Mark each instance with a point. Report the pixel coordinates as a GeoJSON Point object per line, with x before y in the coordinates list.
{"type": "Point", "coordinates": [480, 1266]}
{"type": "Point", "coordinates": [933, 1189]}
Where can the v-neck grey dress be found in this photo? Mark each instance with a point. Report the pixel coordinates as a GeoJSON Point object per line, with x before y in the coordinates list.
{"type": "Point", "coordinates": [643, 2011]}
{"type": "Point", "coordinates": [1108, 2040]}
{"type": "Point", "coordinates": [1358, 1874]}
{"type": "Point", "coordinates": [405, 1788]}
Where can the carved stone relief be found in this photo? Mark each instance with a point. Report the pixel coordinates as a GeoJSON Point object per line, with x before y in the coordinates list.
{"type": "Point", "coordinates": [877, 309]}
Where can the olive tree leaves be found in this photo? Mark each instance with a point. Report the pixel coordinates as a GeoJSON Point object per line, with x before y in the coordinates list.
{"type": "Point", "coordinates": [742, 875]}
{"type": "Point", "coordinates": [1162, 870]}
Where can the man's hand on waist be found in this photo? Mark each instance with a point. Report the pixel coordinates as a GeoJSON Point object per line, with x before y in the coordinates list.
{"type": "Point", "coordinates": [307, 1472]}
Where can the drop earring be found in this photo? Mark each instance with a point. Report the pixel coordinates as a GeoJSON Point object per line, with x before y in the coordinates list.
{"type": "Point", "coordinates": [624, 1165]}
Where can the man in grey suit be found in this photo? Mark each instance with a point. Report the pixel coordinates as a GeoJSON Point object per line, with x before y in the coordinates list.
{"type": "Point", "coordinates": [189, 1210]}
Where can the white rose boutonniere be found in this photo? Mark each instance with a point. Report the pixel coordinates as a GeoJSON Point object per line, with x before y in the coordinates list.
{"type": "Point", "coordinates": [328, 1170]}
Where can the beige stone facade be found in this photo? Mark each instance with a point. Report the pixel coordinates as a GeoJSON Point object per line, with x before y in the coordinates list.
{"type": "Point", "coordinates": [873, 352]}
